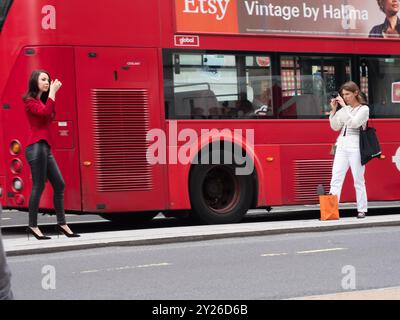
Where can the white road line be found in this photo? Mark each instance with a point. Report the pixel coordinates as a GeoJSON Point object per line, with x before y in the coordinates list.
{"type": "Point", "coordinates": [5, 218]}
{"type": "Point", "coordinates": [90, 271]}
{"type": "Point", "coordinates": [154, 265]}
{"type": "Point", "coordinates": [321, 250]}
{"type": "Point", "coordinates": [164, 264]}
{"type": "Point", "coordinates": [274, 254]}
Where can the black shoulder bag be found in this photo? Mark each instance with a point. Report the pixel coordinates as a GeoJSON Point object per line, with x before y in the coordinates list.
{"type": "Point", "coordinates": [369, 144]}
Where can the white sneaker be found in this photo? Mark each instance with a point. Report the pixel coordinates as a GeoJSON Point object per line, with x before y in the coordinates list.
{"type": "Point", "coordinates": [361, 215]}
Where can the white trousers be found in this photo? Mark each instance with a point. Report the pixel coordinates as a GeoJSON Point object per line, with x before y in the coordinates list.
{"type": "Point", "coordinates": [345, 158]}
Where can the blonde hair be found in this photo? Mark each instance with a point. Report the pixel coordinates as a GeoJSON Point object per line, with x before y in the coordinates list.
{"type": "Point", "coordinates": [353, 87]}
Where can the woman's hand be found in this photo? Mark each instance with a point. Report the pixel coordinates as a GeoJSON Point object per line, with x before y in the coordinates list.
{"type": "Point", "coordinates": [340, 101]}
{"type": "Point", "coordinates": [55, 85]}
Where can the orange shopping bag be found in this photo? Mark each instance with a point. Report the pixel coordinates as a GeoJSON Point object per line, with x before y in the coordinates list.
{"type": "Point", "coordinates": [329, 207]}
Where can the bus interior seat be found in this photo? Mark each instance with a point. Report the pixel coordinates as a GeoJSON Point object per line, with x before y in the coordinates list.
{"type": "Point", "coordinates": [197, 104]}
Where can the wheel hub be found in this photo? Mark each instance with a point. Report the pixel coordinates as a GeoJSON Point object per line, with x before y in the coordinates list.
{"type": "Point", "coordinates": [220, 189]}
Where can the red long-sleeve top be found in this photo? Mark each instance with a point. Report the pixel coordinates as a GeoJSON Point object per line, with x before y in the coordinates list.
{"type": "Point", "coordinates": [40, 116]}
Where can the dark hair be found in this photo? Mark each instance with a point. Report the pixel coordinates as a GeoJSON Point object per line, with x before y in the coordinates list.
{"type": "Point", "coordinates": [353, 87]}
{"type": "Point", "coordinates": [380, 4]}
{"type": "Point", "coordinates": [33, 89]}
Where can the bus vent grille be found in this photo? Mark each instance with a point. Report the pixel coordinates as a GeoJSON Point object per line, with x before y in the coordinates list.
{"type": "Point", "coordinates": [121, 123]}
{"type": "Point", "coordinates": [308, 175]}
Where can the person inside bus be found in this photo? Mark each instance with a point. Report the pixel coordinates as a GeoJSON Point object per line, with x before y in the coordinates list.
{"type": "Point", "coordinates": [261, 97]}
{"type": "Point", "coordinates": [244, 108]}
{"type": "Point", "coordinates": [390, 28]}
{"type": "Point", "coordinates": [40, 110]}
{"type": "Point", "coordinates": [5, 274]}
{"type": "Point", "coordinates": [348, 114]}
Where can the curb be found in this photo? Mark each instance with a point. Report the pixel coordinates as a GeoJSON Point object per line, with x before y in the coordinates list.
{"type": "Point", "coordinates": [18, 247]}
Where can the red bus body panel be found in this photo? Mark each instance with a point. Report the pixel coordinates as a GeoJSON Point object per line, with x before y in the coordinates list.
{"type": "Point", "coordinates": [64, 128]}
{"type": "Point", "coordinates": [141, 74]}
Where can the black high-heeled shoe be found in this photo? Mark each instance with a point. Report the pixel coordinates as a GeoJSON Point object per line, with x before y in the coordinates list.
{"type": "Point", "coordinates": [30, 231]}
{"type": "Point", "coordinates": [60, 229]}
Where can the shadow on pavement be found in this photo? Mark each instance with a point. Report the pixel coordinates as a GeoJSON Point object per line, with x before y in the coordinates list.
{"type": "Point", "coordinates": [162, 222]}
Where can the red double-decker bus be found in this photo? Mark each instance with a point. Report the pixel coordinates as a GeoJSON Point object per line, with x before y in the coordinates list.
{"type": "Point", "coordinates": [150, 88]}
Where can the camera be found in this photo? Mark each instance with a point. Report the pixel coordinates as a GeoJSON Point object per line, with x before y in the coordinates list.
{"type": "Point", "coordinates": [334, 94]}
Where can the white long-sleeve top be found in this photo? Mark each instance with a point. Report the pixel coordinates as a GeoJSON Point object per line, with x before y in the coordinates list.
{"type": "Point", "coordinates": [349, 120]}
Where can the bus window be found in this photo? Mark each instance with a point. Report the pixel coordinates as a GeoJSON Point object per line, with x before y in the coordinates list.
{"type": "Point", "coordinates": [307, 82]}
{"type": "Point", "coordinates": [5, 5]}
{"type": "Point", "coordinates": [216, 86]}
{"type": "Point", "coordinates": [380, 81]}
{"type": "Point", "coordinates": [259, 83]}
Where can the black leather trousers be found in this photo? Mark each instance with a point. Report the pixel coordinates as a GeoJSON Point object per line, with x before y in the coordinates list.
{"type": "Point", "coordinates": [44, 166]}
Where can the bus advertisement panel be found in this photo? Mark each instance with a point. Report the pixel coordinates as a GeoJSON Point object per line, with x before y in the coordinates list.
{"type": "Point", "coordinates": [339, 18]}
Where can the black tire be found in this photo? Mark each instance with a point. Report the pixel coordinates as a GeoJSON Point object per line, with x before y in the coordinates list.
{"type": "Point", "coordinates": [128, 218]}
{"type": "Point", "coordinates": [218, 195]}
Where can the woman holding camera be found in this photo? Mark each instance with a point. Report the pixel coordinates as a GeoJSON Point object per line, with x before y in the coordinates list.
{"type": "Point", "coordinates": [40, 110]}
{"type": "Point", "coordinates": [352, 115]}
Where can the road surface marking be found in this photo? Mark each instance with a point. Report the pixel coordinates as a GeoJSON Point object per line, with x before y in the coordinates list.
{"type": "Point", "coordinates": [154, 265]}
{"type": "Point", "coordinates": [163, 264]}
{"type": "Point", "coordinates": [90, 271]}
{"type": "Point", "coordinates": [321, 250]}
{"type": "Point", "coordinates": [5, 218]}
{"type": "Point", "coordinates": [302, 252]}
{"type": "Point", "coordinates": [274, 254]}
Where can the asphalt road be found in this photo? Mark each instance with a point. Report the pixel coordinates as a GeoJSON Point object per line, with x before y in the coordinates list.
{"type": "Point", "coordinates": [269, 267]}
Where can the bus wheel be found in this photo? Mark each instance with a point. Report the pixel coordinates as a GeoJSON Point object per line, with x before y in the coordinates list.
{"type": "Point", "coordinates": [218, 194]}
{"type": "Point", "coordinates": [129, 217]}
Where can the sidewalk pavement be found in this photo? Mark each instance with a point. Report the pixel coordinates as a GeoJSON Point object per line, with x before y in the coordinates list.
{"type": "Point", "coordinates": [23, 246]}
{"type": "Point", "coordinates": [374, 294]}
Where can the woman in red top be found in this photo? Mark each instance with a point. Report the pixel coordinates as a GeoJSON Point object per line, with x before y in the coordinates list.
{"type": "Point", "coordinates": [39, 107]}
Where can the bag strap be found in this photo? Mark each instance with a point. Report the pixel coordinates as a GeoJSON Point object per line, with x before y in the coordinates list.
{"type": "Point", "coordinates": [367, 124]}
{"type": "Point", "coordinates": [369, 119]}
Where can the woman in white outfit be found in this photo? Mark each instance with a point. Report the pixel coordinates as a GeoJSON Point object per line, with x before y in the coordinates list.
{"type": "Point", "coordinates": [352, 115]}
